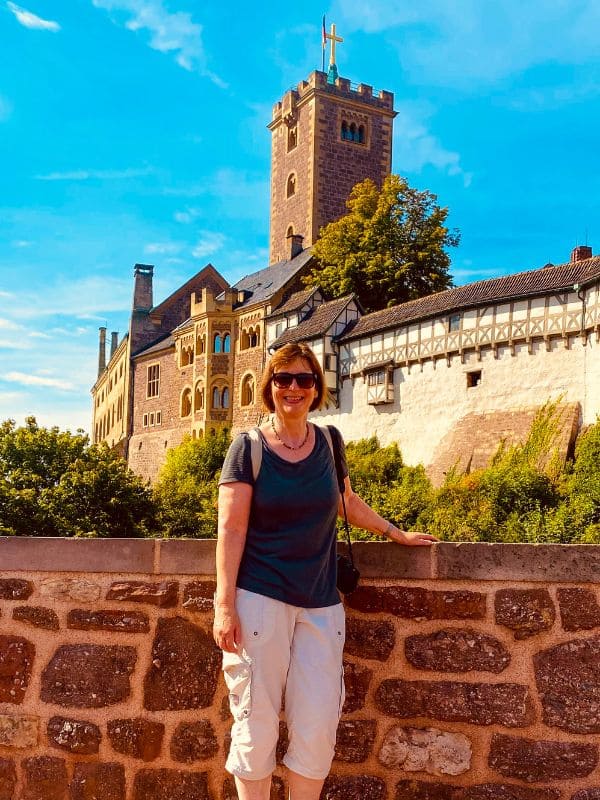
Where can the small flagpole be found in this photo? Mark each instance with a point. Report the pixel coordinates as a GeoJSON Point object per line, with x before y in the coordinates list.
{"type": "Point", "coordinates": [323, 44]}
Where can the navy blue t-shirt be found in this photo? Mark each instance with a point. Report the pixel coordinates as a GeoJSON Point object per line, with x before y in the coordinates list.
{"type": "Point", "coordinates": [290, 550]}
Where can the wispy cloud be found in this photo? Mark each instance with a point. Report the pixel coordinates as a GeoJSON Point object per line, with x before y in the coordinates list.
{"type": "Point", "coordinates": [162, 248]}
{"type": "Point", "coordinates": [209, 243]}
{"type": "Point", "coordinates": [8, 325]}
{"type": "Point", "coordinates": [415, 147]}
{"type": "Point", "coordinates": [87, 296]}
{"type": "Point", "coordinates": [187, 216]}
{"type": "Point", "coordinates": [97, 174]}
{"type": "Point", "coordinates": [170, 32]}
{"type": "Point", "coordinates": [29, 20]}
{"type": "Point", "coordinates": [25, 379]}
{"type": "Point", "coordinates": [14, 344]}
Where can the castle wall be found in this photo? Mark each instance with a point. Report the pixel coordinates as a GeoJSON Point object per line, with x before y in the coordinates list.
{"type": "Point", "coordinates": [470, 673]}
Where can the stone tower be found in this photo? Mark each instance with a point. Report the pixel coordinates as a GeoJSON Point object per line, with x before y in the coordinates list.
{"type": "Point", "coordinates": [326, 137]}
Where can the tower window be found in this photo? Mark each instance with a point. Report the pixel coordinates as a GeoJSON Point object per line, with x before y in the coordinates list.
{"type": "Point", "coordinates": [473, 378]}
{"type": "Point", "coordinates": [292, 139]}
{"type": "Point", "coordinates": [186, 403]}
{"type": "Point", "coordinates": [217, 343]}
{"type": "Point", "coordinates": [153, 380]}
{"type": "Point", "coordinates": [225, 398]}
{"type": "Point", "coordinates": [291, 186]}
{"type": "Point", "coordinates": [226, 343]}
{"type": "Point", "coordinates": [247, 393]}
{"type": "Point", "coordinates": [351, 132]}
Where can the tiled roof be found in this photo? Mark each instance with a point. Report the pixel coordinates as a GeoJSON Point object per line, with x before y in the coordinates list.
{"type": "Point", "coordinates": [318, 323]}
{"type": "Point", "coordinates": [493, 290]}
{"type": "Point", "coordinates": [262, 285]}
{"type": "Point", "coordinates": [295, 301]}
{"type": "Point", "coordinates": [163, 343]}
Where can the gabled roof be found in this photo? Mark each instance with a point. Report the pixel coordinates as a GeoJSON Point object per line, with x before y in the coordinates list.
{"type": "Point", "coordinates": [316, 324]}
{"type": "Point", "coordinates": [162, 344]}
{"type": "Point", "coordinates": [295, 301]}
{"type": "Point", "coordinates": [188, 286]}
{"type": "Point", "coordinates": [494, 290]}
{"type": "Point", "coordinates": [262, 285]}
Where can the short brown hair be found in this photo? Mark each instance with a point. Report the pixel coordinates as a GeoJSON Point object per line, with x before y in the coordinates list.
{"type": "Point", "coordinates": [279, 360]}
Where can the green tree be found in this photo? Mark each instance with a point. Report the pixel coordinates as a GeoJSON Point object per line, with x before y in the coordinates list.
{"type": "Point", "coordinates": [389, 248]}
{"type": "Point", "coordinates": [53, 483]}
{"type": "Point", "coordinates": [186, 489]}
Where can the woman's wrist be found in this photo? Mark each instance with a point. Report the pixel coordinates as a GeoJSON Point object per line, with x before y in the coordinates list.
{"type": "Point", "coordinates": [389, 530]}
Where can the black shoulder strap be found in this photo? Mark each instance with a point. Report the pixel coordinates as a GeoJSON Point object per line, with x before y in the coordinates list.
{"type": "Point", "coordinates": [333, 433]}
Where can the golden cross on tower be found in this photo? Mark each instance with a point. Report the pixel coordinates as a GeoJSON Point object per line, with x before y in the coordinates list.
{"type": "Point", "coordinates": [333, 39]}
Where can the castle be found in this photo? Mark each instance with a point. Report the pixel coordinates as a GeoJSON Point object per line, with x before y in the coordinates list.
{"type": "Point", "coordinates": [447, 377]}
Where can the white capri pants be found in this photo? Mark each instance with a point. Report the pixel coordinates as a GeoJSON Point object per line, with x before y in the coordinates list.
{"type": "Point", "coordinates": [292, 654]}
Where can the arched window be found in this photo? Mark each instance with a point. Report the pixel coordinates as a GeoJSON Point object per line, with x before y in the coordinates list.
{"type": "Point", "coordinates": [353, 135]}
{"type": "Point", "coordinates": [217, 343]}
{"type": "Point", "coordinates": [291, 185]}
{"type": "Point", "coordinates": [361, 134]}
{"type": "Point", "coordinates": [254, 337]}
{"type": "Point", "coordinates": [244, 340]}
{"type": "Point", "coordinates": [292, 138]}
{"type": "Point", "coordinates": [187, 356]}
{"type": "Point", "coordinates": [186, 403]}
{"type": "Point", "coordinates": [216, 397]}
{"type": "Point", "coordinates": [344, 129]}
{"type": "Point", "coordinates": [226, 343]}
{"type": "Point", "coordinates": [225, 398]}
{"type": "Point", "coordinates": [247, 392]}
{"type": "Point", "coordinates": [199, 397]}
{"type": "Point", "coordinates": [200, 345]}
{"type": "Point", "coordinates": [290, 231]}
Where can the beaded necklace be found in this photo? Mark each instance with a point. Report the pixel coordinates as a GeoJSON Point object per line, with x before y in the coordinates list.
{"type": "Point", "coordinates": [289, 446]}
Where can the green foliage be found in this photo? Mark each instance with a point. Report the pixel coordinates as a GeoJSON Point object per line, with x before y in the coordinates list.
{"type": "Point", "coordinates": [389, 248]}
{"type": "Point", "coordinates": [53, 483]}
{"type": "Point", "coordinates": [186, 489]}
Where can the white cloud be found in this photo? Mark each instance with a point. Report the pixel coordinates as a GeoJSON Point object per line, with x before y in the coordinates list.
{"type": "Point", "coordinates": [415, 147]}
{"type": "Point", "coordinates": [14, 344]}
{"type": "Point", "coordinates": [87, 296]}
{"type": "Point", "coordinates": [209, 243]}
{"type": "Point", "coordinates": [477, 43]}
{"type": "Point", "coordinates": [162, 248]}
{"type": "Point", "coordinates": [25, 379]}
{"type": "Point", "coordinates": [187, 216]}
{"type": "Point", "coordinates": [30, 20]}
{"type": "Point", "coordinates": [97, 174]}
{"type": "Point", "coordinates": [8, 325]}
{"type": "Point", "coordinates": [170, 32]}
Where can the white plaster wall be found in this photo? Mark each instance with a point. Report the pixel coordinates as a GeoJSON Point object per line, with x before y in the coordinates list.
{"type": "Point", "coordinates": [429, 400]}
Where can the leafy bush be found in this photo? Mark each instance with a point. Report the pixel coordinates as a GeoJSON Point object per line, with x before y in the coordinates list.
{"type": "Point", "coordinates": [186, 489]}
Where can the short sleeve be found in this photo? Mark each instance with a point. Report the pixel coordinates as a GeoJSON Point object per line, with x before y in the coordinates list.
{"type": "Point", "coordinates": [237, 466]}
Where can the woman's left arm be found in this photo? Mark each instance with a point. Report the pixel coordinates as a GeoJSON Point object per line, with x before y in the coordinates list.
{"type": "Point", "coordinates": [362, 515]}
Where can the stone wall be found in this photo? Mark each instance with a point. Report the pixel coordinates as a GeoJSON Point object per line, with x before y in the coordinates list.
{"type": "Point", "coordinates": [472, 673]}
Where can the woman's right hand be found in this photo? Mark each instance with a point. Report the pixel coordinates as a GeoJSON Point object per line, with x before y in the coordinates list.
{"type": "Point", "coordinates": [227, 631]}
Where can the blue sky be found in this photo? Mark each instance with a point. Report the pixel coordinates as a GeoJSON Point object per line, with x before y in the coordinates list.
{"type": "Point", "coordinates": [134, 131]}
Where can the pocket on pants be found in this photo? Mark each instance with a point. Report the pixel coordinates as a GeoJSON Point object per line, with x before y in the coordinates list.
{"type": "Point", "coordinates": [238, 679]}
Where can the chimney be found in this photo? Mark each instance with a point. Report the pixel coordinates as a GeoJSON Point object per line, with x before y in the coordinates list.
{"type": "Point", "coordinates": [142, 287]}
{"type": "Point", "coordinates": [114, 341]}
{"type": "Point", "coordinates": [294, 245]}
{"type": "Point", "coordinates": [581, 253]}
{"type": "Point", "coordinates": [102, 351]}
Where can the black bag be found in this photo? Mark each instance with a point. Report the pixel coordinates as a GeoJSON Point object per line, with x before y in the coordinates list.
{"type": "Point", "coordinates": [347, 574]}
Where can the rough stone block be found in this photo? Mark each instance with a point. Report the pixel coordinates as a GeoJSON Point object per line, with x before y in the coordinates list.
{"type": "Point", "coordinates": [156, 784]}
{"type": "Point", "coordinates": [456, 650]}
{"type": "Point", "coordinates": [194, 741]}
{"type": "Point", "coordinates": [355, 738]}
{"type": "Point", "coordinates": [138, 738]}
{"type": "Point", "coordinates": [198, 595]}
{"type": "Point", "coordinates": [126, 621]}
{"type": "Point", "coordinates": [366, 639]}
{"type": "Point", "coordinates": [74, 735]}
{"type": "Point", "coordinates": [568, 681]}
{"type": "Point", "coordinates": [88, 675]}
{"type": "Point", "coordinates": [525, 611]}
{"type": "Point", "coordinates": [357, 679]}
{"type": "Point", "coordinates": [15, 589]}
{"type": "Point", "coordinates": [45, 778]}
{"type": "Point", "coordinates": [16, 661]}
{"type": "Point", "coordinates": [587, 794]}
{"type": "Point", "coordinates": [579, 609]}
{"type": "Point", "coordinates": [8, 778]}
{"type": "Point", "coordinates": [421, 790]}
{"type": "Point", "coordinates": [478, 703]}
{"type": "Point", "coordinates": [417, 603]}
{"type": "Point", "coordinates": [530, 760]}
{"type": "Point", "coordinates": [162, 594]}
{"type": "Point", "coordinates": [185, 667]}
{"type": "Point", "coordinates": [426, 750]}
{"type": "Point", "coordinates": [18, 730]}
{"type": "Point", "coordinates": [353, 787]}
{"type": "Point", "coordinates": [98, 781]}
{"type": "Point", "coordinates": [37, 616]}
{"type": "Point", "coordinates": [78, 589]}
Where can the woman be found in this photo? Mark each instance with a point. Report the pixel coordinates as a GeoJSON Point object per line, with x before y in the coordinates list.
{"type": "Point", "coordinates": [278, 616]}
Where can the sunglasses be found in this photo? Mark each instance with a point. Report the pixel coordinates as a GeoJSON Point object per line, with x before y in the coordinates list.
{"type": "Point", "coordinates": [304, 380]}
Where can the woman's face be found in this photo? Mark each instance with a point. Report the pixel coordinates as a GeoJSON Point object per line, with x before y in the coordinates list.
{"type": "Point", "coordinates": [293, 401]}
